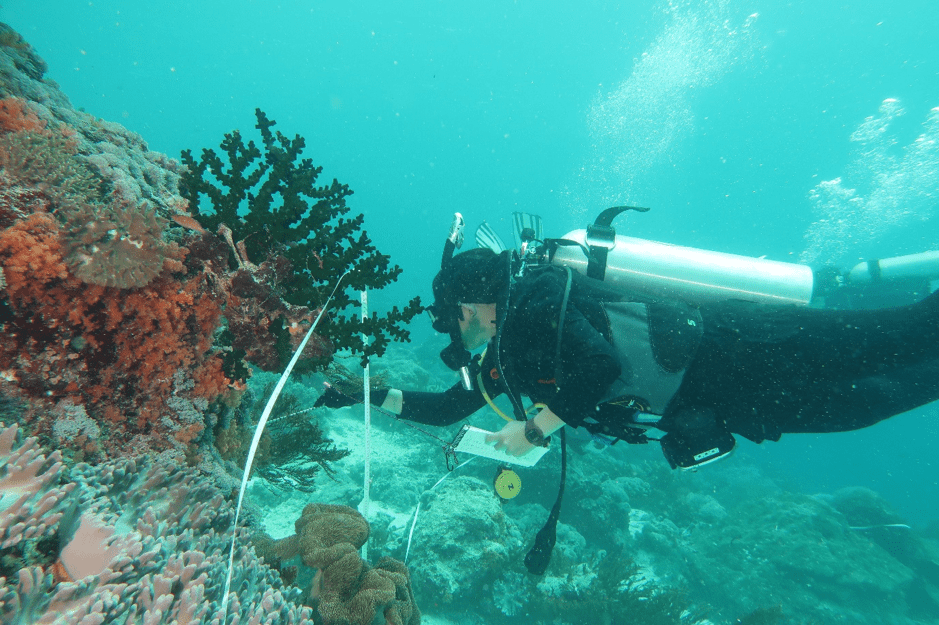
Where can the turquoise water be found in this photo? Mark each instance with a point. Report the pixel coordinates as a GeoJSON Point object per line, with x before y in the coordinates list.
{"type": "Point", "coordinates": [721, 116]}
{"type": "Point", "coordinates": [724, 117]}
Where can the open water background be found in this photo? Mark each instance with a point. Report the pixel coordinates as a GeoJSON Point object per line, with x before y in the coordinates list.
{"type": "Point", "coordinates": [723, 116]}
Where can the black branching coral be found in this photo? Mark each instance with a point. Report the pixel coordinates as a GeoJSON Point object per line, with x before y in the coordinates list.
{"type": "Point", "coordinates": [267, 196]}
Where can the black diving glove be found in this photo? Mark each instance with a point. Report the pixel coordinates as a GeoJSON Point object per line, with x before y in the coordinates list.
{"type": "Point", "coordinates": [332, 398]}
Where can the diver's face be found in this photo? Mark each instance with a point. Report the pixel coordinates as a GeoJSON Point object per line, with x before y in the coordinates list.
{"type": "Point", "coordinates": [477, 325]}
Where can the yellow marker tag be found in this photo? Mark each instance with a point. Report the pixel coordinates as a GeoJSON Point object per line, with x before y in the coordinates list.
{"type": "Point", "coordinates": [508, 484]}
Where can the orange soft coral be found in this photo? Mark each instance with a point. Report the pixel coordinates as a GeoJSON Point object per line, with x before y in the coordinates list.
{"type": "Point", "coordinates": [126, 352]}
{"type": "Point", "coordinates": [16, 116]}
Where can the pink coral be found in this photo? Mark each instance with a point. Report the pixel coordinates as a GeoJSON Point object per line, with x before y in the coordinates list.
{"type": "Point", "coordinates": [28, 494]}
{"type": "Point", "coordinates": [143, 542]}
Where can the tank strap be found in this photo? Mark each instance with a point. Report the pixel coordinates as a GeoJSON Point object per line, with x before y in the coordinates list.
{"type": "Point", "coordinates": [601, 238]}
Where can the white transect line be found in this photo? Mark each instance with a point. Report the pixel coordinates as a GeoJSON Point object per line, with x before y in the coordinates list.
{"type": "Point", "coordinates": [257, 439]}
{"type": "Point", "coordinates": [366, 497]}
{"type": "Point", "coordinates": [417, 510]}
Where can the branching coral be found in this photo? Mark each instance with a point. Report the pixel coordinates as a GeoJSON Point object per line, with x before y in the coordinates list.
{"type": "Point", "coordinates": [127, 541]}
{"type": "Point", "coordinates": [268, 199]}
{"type": "Point", "coordinates": [29, 490]}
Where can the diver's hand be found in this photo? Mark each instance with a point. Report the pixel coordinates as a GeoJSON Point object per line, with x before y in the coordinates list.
{"type": "Point", "coordinates": [331, 398]}
{"type": "Point", "coordinates": [512, 439]}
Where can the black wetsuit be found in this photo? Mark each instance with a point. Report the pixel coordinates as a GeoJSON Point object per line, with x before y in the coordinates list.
{"type": "Point", "coordinates": [759, 371]}
{"type": "Point", "coordinates": [529, 348]}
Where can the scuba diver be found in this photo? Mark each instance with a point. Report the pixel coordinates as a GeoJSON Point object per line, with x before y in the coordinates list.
{"type": "Point", "coordinates": [639, 341]}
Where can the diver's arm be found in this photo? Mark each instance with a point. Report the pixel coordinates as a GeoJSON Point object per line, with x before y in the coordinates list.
{"type": "Point", "coordinates": [444, 408]}
{"type": "Point", "coordinates": [451, 406]}
{"type": "Point", "coordinates": [454, 404]}
{"type": "Point", "coordinates": [512, 439]}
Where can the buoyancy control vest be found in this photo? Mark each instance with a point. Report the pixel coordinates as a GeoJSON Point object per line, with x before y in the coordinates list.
{"type": "Point", "coordinates": [655, 343]}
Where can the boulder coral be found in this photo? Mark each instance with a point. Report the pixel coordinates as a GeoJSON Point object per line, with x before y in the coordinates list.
{"type": "Point", "coordinates": [463, 540]}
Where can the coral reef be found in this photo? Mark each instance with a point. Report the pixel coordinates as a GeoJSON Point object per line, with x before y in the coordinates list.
{"type": "Point", "coordinates": [293, 447]}
{"type": "Point", "coordinates": [96, 313]}
{"type": "Point", "coordinates": [134, 357]}
{"type": "Point", "coordinates": [125, 541]}
{"type": "Point", "coordinates": [613, 592]}
{"type": "Point", "coordinates": [793, 550]}
{"type": "Point", "coordinates": [348, 591]}
{"type": "Point", "coordinates": [137, 335]}
{"type": "Point", "coordinates": [260, 327]}
{"type": "Point", "coordinates": [266, 199]}
{"type": "Point", "coordinates": [117, 156]}
{"type": "Point", "coordinates": [465, 540]}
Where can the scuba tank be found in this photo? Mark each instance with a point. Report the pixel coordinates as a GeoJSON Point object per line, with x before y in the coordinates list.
{"type": "Point", "coordinates": [653, 271]}
{"type": "Point", "coordinates": [923, 265]}
{"type": "Point", "coordinates": [650, 270]}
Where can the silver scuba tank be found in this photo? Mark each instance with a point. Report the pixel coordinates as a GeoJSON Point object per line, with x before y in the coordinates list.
{"type": "Point", "coordinates": [654, 271]}
{"type": "Point", "coordinates": [924, 265]}
{"type": "Point", "coordinates": [661, 271]}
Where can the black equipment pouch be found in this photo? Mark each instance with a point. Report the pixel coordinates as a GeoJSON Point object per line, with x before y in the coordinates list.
{"type": "Point", "coordinates": [696, 439]}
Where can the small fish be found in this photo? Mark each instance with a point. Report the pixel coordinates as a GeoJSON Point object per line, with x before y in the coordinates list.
{"type": "Point", "coordinates": [188, 222]}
